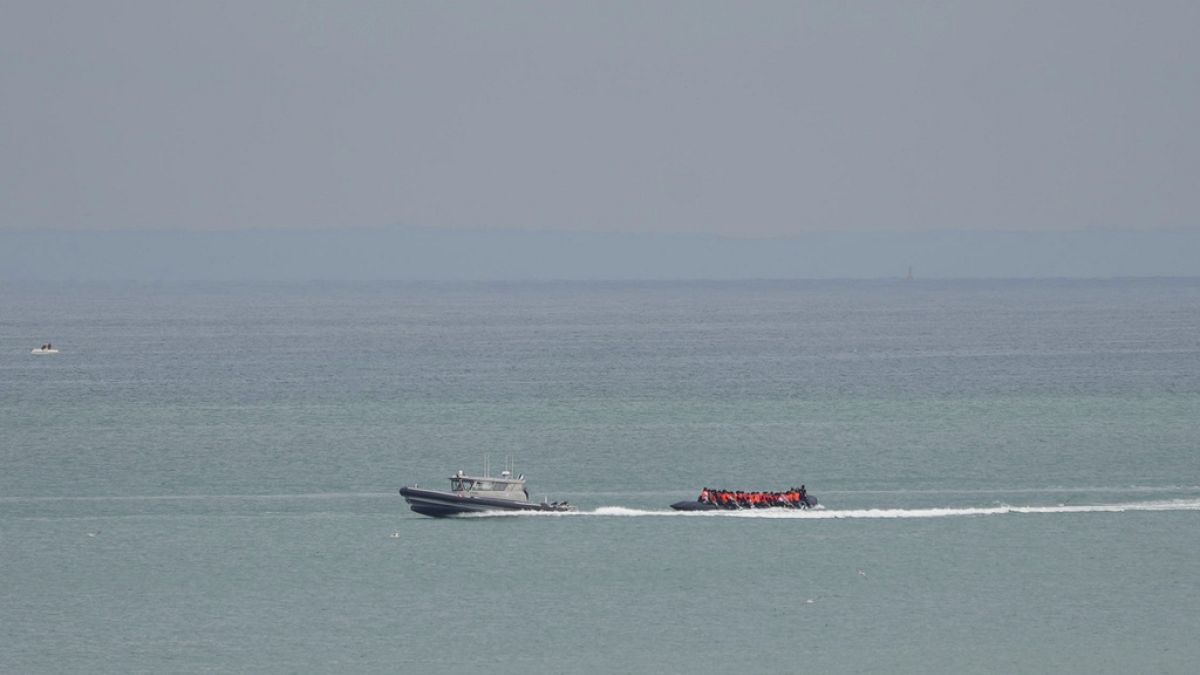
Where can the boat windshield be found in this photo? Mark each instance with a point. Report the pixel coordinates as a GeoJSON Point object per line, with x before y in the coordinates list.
{"type": "Point", "coordinates": [467, 485]}
{"type": "Point", "coordinates": [470, 485]}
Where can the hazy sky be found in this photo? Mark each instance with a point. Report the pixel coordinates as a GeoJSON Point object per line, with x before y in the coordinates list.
{"type": "Point", "coordinates": [764, 118]}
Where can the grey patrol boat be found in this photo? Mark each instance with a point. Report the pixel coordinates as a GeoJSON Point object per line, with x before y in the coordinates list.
{"type": "Point", "coordinates": [477, 494]}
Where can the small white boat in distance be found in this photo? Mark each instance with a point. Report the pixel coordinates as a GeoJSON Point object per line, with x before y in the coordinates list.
{"type": "Point", "coordinates": [45, 349]}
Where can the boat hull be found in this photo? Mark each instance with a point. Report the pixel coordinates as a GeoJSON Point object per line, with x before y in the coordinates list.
{"type": "Point", "coordinates": [693, 505]}
{"type": "Point", "coordinates": [441, 504]}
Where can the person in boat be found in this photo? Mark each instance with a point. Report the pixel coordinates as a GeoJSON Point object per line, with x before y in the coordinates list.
{"type": "Point", "coordinates": [732, 499]}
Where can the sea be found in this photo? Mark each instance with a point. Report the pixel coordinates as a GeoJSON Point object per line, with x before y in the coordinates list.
{"type": "Point", "coordinates": [204, 478]}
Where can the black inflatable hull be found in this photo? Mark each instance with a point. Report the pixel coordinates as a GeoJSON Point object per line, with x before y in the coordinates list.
{"type": "Point", "coordinates": [693, 505]}
{"type": "Point", "coordinates": [439, 504]}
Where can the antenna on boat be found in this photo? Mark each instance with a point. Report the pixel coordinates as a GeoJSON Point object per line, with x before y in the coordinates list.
{"type": "Point", "coordinates": [487, 469]}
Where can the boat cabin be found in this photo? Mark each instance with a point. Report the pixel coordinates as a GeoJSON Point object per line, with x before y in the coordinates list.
{"type": "Point", "coordinates": [502, 487]}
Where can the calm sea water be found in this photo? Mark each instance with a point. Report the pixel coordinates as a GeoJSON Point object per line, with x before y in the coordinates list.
{"type": "Point", "coordinates": [204, 479]}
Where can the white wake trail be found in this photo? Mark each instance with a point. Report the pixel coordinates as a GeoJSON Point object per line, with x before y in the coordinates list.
{"type": "Point", "coordinates": [933, 512]}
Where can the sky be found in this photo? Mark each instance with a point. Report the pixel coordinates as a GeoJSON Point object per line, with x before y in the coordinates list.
{"type": "Point", "coordinates": [744, 120]}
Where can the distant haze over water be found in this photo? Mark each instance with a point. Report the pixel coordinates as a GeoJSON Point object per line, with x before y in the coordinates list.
{"type": "Point", "coordinates": [420, 253]}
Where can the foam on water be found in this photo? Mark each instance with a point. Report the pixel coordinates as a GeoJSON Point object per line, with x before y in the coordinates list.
{"type": "Point", "coordinates": [933, 512]}
{"type": "Point", "coordinates": [821, 513]}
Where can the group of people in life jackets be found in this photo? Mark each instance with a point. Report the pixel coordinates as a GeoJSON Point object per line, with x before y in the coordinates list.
{"type": "Point", "coordinates": [737, 499]}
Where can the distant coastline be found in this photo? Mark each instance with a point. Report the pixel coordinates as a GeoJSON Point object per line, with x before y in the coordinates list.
{"type": "Point", "coordinates": [403, 253]}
